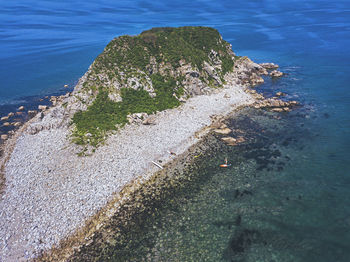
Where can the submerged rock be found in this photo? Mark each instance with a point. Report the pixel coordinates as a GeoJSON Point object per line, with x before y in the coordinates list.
{"type": "Point", "coordinates": [231, 141]}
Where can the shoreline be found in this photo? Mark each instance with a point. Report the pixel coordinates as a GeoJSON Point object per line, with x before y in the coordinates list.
{"type": "Point", "coordinates": [40, 239]}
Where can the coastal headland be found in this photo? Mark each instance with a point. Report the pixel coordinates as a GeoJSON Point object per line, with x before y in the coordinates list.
{"type": "Point", "coordinates": [141, 106]}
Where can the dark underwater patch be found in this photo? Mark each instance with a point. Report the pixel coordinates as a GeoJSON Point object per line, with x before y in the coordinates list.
{"type": "Point", "coordinates": [240, 242]}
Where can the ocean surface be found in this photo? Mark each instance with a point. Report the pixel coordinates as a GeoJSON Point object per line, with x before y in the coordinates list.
{"type": "Point", "coordinates": [287, 195]}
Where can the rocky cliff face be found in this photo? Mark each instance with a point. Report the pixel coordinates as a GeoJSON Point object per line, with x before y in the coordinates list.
{"type": "Point", "coordinates": [153, 71]}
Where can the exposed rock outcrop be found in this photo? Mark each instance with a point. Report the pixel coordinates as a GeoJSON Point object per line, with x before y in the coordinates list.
{"type": "Point", "coordinates": [276, 73]}
{"type": "Point", "coordinates": [276, 105]}
{"type": "Point", "coordinates": [269, 66]}
{"type": "Point", "coordinates": [247, 72]}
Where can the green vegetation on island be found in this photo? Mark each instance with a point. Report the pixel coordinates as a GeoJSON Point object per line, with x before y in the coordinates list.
{"type": "Point", "coordinates": [145, 72]}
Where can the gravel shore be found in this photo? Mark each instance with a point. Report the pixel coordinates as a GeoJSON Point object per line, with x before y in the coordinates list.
{"type": "Point", "coordinates": [50, 191]}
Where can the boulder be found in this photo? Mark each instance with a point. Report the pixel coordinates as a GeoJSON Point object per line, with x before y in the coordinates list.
{"type": "Point", "coordinates": [17, 124]}
{"type": "Point", "coordinates": [32, 112]}
{"type": "Point", "coordinates": [293, 103]}
{"type": "Point", "coordinates": [6, 124]}
{"type": "Point", "coordinates": [256, 79]}
{"type": "Point", "coordinates": [151, 120]}
{"type": "Point", "coordinates": [276, 73]}
{"type": "Point", "coordinates": [21, 108]}
{"type": "Point", "coordinates": [137, 118]}
{"type": "Point", "coordinates": [4, 137]}
{"type": "Point", "coordinates": [278, 94]}
{"type": "Point", "coordinates": [224, 131]}
{"type": "Point", "coordinates": [216, 121]}
{"type": "Point", "coordinates": [19, 113]}
{"type": "Point", "coordinates": [269, 65]}
{"type": "Point", "coordinates": [277, 109]}
{"type": "Point", "coordinates": [42, 108]}
{"type": "Point", "coordinates": [229, 140]}
{"type": "Point", "coordinates": [262, 71]}
{"type": "Point", "coordinates": [258, 96]}
{"type": "Point", "coordinates": [138, 115]}
{"type": "Point", "coordinates": [32, 130]}
{"type": "Point", "coordinates": [215, 124]}
{"type": "Point", "coordinates": [10, 114]}
{"type": "Point", "coordinates": [53, 99]}
{"type": "Point", "coordinates": [4, 118]}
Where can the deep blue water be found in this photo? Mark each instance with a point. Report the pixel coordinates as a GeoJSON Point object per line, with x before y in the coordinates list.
{"type": "Point", "coordinates": [46, 44]}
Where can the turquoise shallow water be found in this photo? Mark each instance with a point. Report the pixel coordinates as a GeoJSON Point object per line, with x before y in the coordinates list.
{"type": "Point", "coordinates": [302, 205]}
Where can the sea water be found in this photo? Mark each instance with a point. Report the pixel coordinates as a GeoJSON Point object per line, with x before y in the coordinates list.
{"type": "Point", "coordinates": [287, 195]}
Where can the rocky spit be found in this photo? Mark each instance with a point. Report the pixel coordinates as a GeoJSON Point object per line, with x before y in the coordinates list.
{"type": "Point", "coordinates": [50, 191]}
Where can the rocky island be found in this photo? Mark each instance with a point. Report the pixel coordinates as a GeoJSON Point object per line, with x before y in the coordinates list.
{"type": "Point", "coordinates": [145, 100]}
